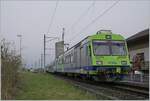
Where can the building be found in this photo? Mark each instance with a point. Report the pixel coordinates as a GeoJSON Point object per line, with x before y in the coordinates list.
{"type": "Point", "coordinates": [59, 48]}
{"type": "Point", "coordinates": [138, 44]}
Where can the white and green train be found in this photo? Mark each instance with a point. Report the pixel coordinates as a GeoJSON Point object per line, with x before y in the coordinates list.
{"type": "Point", "coordinates": [101, 56]}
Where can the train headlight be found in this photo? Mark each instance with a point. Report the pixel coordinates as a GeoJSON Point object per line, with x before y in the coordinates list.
{"type": "Point", "coordinates": [99, 62]}
{"type": "Point", "coordinates": [124, 62]}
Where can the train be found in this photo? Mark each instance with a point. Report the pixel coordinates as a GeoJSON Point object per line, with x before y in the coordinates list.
{"type": "Point", "coordinates": [102, 56]}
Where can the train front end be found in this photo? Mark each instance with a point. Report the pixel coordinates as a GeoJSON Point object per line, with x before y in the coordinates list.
{"type": "Point", "coordinates": [109, 56]}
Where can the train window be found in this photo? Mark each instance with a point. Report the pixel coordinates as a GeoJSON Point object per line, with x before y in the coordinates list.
{"type": "Point", "coordinates": [62, 60]}
{"type": "Point", "coordinates": [71, 58]}
{"type": "Point", "coordinates": [101, 48]}
{"type": "Point", "coordinates": [118, 48]}
{"type": "Point", "coordinates": [67, 59]}
{"type": "Point", "coordinates": [59, 61]}
{"type": "Point", "coordinates": [109, 48]}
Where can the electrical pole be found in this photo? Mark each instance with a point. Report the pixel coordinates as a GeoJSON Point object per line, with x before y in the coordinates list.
{"type": "Point", "coordinates": [63, 33]}
{"type": "Point", "coordinates": [44, 50]}
{"type": "Point", "coordinates": [20, 36]}
{"type": "Point", "coordinates": [35, 64]}
{"type": "Point", "coordinates": [20, 47]}
{"type": "Point", "coordinates": [41, 60]}
{"type": "Point", "coordinates": [44, 57]}
{"type": "Point", "coordinates": [39, 63]}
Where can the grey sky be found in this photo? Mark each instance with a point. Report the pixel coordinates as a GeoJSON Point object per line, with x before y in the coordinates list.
{"type": "Point", "coordinates": [32, 18]}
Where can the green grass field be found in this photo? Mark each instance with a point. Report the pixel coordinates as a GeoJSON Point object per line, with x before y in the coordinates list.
{"type": "Point", "coordinates": [40, 86]}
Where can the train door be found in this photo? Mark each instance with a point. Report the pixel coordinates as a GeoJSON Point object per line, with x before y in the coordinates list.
{"type": "Point", "coordinates": [81, 56]}
{"type": "Point", "coordinates": [84, 56]}
{"type": "Point", "coordinates": [77, 56]}
{"type": "Point", "coordinates": [88, 54]}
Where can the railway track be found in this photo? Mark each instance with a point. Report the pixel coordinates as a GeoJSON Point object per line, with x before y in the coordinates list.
{"type": "Point", "coordinates": [113, 93]}
{"type": "Point", "coordinates": [132, 88]}
{"type": "Point", "coordinates": [110, 90]}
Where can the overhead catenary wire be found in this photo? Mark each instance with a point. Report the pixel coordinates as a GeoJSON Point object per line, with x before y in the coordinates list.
{"type": "Point", "coordinates": [52, 18]}
{"type": "Point", "coordinates": [82, 15]}
{"type": "Point", "coordinates": [49, 28]}
{"type": "Point", "coordinates": [94, 20]}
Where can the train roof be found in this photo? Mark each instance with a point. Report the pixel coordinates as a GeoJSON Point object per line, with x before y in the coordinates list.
{"type": "Point", "coordinates": [106, 36]}
{"type": "Point", "coordinates": [101, 36]}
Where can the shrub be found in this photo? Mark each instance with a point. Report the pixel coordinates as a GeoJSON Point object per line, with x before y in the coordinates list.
{"type": "Point", "coordinates": [10, 63]}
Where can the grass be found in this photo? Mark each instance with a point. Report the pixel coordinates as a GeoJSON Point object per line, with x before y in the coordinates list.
{"type": "Point", "coordinates": [40, 86]}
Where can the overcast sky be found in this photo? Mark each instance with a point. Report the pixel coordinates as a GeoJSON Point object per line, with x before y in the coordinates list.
{"type": "Point", "coordinates": [32, 19]}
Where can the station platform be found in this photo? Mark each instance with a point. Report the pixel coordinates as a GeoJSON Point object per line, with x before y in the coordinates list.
{"type": "Point", "coordinates": [134, 83]}
{"type": "Point", "coordinates": [137, 80]}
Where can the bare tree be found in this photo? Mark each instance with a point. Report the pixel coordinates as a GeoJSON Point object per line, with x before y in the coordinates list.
{"type": "Point", "coordinates": [10, 63]}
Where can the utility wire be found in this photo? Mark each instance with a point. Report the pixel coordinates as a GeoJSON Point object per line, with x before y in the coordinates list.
{"type": "Point", "coordinates": [52, 18]}
{"type": "Point", "coordinates": [94, 20]}
{"type": "Point", "coordinates": [82, 15]}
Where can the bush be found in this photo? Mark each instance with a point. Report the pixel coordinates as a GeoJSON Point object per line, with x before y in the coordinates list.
{"type": "Point", "coordinates": [10, 63]}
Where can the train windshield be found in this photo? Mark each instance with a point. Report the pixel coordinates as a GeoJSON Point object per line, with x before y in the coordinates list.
{"type": "Point", "coordinates": [109, 48]}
